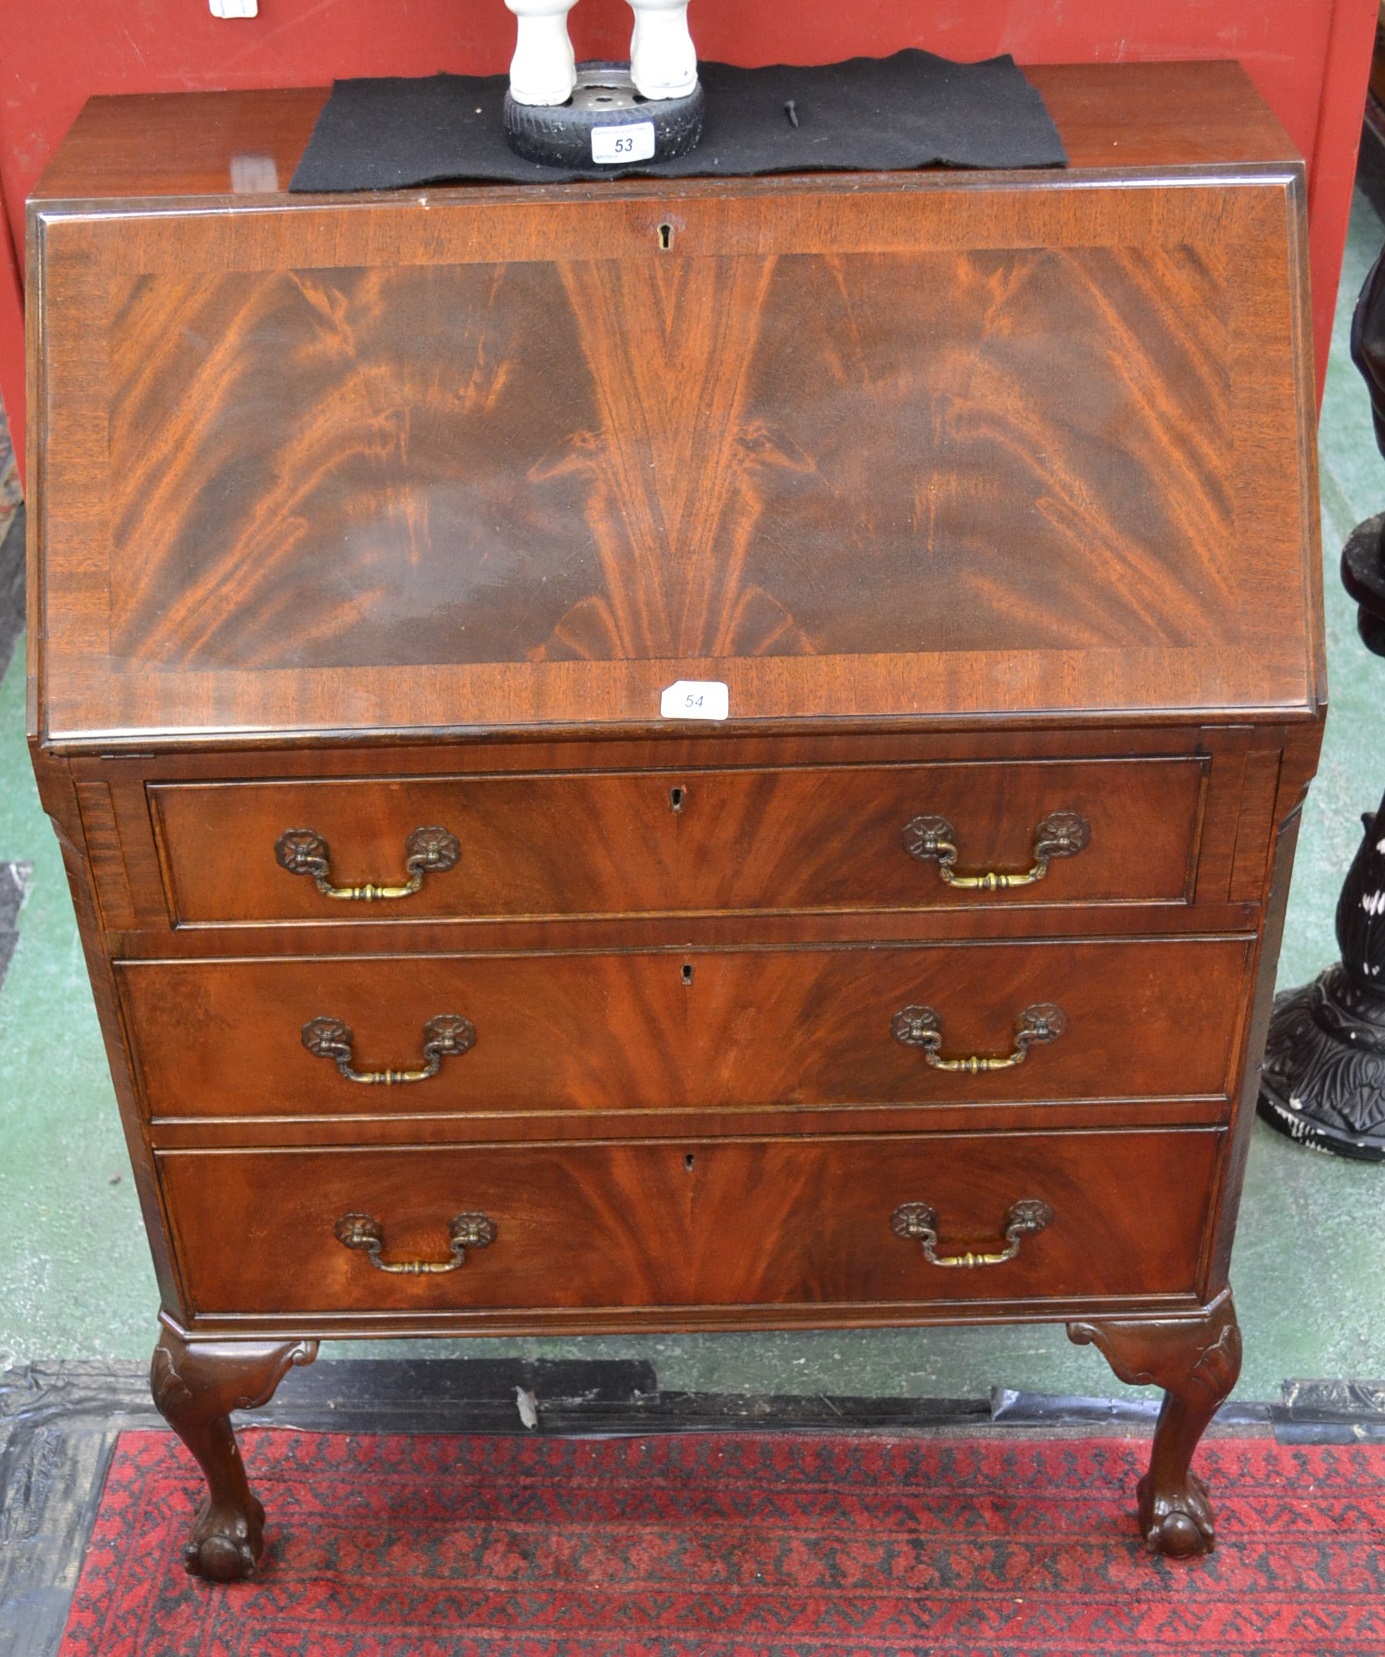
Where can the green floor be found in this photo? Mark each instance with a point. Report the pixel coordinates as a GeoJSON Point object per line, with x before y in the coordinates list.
{"type": "Point", "coordinates": [1310, 1256]}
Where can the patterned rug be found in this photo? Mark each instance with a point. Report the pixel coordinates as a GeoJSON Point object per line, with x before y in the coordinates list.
{"type": "Point", "coordinates": [737, 1545]}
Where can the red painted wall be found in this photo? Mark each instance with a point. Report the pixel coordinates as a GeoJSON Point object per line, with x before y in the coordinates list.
{"type": "Point", "coordinates": [1310, 59]}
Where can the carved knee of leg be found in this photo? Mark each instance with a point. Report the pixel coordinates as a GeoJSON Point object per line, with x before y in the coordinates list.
{"type": "Point", "coordinates": [663, 60]}
{"type": "Point", "coordinates": [543, 69]}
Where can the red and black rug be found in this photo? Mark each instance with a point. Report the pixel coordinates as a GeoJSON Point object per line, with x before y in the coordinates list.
{"type": "Point", "coordinates": [737, 1545]}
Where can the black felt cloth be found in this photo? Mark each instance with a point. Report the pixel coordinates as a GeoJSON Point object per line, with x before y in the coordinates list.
{"type": "Point", "coordinates": [869, 114]}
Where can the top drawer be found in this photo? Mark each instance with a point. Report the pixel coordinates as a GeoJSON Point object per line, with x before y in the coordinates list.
{"type": "Point", "coordinates": [668, 842]}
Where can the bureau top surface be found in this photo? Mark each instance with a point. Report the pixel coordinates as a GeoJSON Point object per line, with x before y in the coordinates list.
{"type": "Point", "coordinates": [874, 448]}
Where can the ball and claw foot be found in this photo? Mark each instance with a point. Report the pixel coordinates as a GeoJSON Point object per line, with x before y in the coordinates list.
{"type": "Point", "coordinates": [1177, 1523]}
{"type": "Point", "coordinates": [196, 1386]}
{"type": "Point", "coordinates": [1196, 1360]}
{"type": "Point", "coordinates": [225, 1545]}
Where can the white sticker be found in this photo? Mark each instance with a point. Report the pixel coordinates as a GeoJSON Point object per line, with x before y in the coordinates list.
{"type": "Point", "coordinates": [695, 699]}
{"type": "Point", "coordinates": [632, 143]}
{"type": "Point", "coordinates": [253, 175]}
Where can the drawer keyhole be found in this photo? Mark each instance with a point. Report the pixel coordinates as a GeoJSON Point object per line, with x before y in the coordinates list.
{"type": "Point", "coordinates": [687, 973]}
{"type": "Point", "coordinates": [675, 799]}
{"type": "Point", "coordinates": [688, 1162]}
{"type": "Point", "coordinates": [665, 236]}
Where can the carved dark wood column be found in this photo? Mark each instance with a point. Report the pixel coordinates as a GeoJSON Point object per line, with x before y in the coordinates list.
{"type": "Point", "coordinates": [1324, 1077]}
{"type": "Point", "coordinates": [1196, 1361]}
{"type": "Point", "coordinates": [196, 1384]}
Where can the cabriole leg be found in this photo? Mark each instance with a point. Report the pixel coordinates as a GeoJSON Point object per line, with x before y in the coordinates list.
{"type": "Point", "coordinates": [1196, 1360]}
{"type": "Point", "coordinates": [196, 1384]}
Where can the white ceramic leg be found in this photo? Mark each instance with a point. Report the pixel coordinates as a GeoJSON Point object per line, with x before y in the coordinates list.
{"type": "Point", "coordinates": [663, 60]}
{"type": "Point", "coordinates": [543, 69]}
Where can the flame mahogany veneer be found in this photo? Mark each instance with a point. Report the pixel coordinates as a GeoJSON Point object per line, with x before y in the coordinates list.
{"type": "Point", "coordinates": [447, 986]}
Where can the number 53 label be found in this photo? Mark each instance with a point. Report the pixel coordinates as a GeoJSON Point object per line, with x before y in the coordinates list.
{"type": "Point", "coordinates": [620, 144]}
{"type": "Point", "coordinates": [695, 699]}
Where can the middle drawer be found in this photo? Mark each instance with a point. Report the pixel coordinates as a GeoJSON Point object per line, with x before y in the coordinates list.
{"type": "Point", "coordinates": [665, 1030]}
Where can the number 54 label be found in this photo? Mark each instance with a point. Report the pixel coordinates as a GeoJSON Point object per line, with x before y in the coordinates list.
{"type": "Point", "coordinates": [623, 144]}
{"type": "Point", "coordinates": [695, 699]}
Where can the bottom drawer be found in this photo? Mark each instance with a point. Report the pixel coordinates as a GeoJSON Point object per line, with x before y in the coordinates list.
{"type": "Point", "coordinates": [724, 1223]}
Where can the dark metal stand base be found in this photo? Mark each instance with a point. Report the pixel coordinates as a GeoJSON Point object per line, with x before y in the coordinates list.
{"type": "Point", "coordinates": [1324, 1078]}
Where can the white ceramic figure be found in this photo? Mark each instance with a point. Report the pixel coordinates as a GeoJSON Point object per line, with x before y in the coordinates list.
{"type": "Point", "coordinates": [543, 69]}
{"type": "Point", "coordinates": [663, 60]}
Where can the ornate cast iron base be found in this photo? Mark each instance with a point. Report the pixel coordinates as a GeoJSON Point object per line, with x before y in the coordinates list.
{"type": "Point", "coordinates": [1324, 1076]}
{"type": "Point", "coordinates": [1196, 1360]}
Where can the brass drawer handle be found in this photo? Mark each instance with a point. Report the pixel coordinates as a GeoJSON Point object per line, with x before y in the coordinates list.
{"type": "Point", "coordinates": [447, 1035]}
{"type": "Point", "coordinates": [427, 851]}
{"type": "Point", "coordinates": [934, 840]}
{"type": "Point", "coordinates": [916, 1222]}
{"type": "Point", "coordinates": [467, 1231]}
{"type": "Point", "coordinates": [921, 1027]}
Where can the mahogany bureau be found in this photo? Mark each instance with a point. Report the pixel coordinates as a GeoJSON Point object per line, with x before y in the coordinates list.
{"type": "Point", "coordinates": [453, 980]}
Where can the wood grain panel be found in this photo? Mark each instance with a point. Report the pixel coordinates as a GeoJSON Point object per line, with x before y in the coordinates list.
{"type": "Point", "coordinates": [105, 853]}
{"type": "Point", "coordinates": [695, 840]}
{"type": "Point", "coordinates": [1255, 827]}
{"type": "Point", "coordinates": [671, 1030]}
{"type": "Point", "coordinates": [706, 1223]}
{"type": "Point", "coordinates": [722, 457]}
{"type": "Point", "coordinates": [1218, 840]}
{"type": "Point", "coordinates": [91, 710]}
